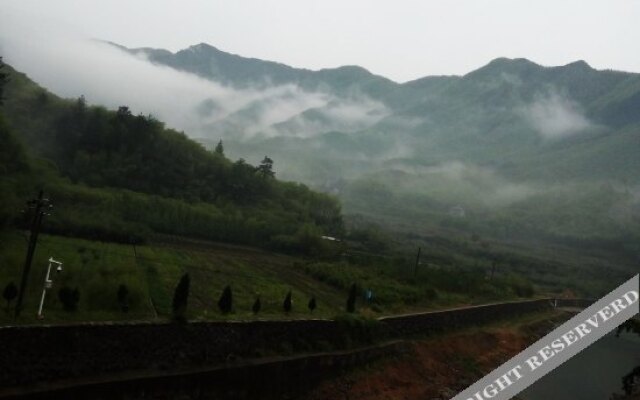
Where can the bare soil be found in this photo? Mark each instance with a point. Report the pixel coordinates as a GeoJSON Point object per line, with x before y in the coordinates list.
{"type": "Point", "coordinates": [438, 367]}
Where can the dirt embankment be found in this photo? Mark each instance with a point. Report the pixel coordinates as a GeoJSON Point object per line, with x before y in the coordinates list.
{"type": "Point", "coordinates": [439, 367]}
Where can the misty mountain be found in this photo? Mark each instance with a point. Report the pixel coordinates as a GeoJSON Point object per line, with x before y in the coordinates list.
{"type": "Point", "coordinates": [572, 117]}
{"type": "Point", "coordinates": [524, 149]}
{"type": "Point", "coordinates": [611, 96]}
{"type": "Point", "coordinates": [551, 151]}
{"type": "Point", "coordinates": [240, 72]}
{"type": "Point", "coordinates": [300, 102]}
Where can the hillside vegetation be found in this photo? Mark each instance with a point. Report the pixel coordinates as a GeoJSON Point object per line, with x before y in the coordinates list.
{"type": "Point", "coordinates": [151, 272]}
{"type": "Point", "coordinates": [118, 176]}
{"type": "Point", "coordinates": [127, 192]}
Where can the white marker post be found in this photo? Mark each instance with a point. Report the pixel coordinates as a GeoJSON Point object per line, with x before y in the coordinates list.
{"type": "Point", "coordinates": [48, 283]}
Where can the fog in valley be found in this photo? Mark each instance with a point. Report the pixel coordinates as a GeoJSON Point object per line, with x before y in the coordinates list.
{"type": "Point", "coordinates": [503, 142]}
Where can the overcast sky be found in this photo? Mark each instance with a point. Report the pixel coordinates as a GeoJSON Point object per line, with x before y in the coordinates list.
{"type": "Point", "coordinates": [402, 40]}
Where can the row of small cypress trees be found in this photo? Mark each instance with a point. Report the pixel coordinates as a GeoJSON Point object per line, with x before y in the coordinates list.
{"type": "Point", "coordinates": [68, 297]}
{"type": "Point", "coordinates": [225, 303]}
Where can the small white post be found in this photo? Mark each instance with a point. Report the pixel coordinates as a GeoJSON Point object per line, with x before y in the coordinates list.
{"type": "Point", "coordinates": [48, 283]}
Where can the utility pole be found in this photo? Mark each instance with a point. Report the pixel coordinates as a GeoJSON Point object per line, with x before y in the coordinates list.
{"type": "Point", "coordinates": [415, 270]}
{"type": "Point", "coordinates": [41, 206]}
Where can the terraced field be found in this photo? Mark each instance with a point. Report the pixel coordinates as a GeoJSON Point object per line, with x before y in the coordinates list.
{"type": "Point", "coordinates": [151, 273]}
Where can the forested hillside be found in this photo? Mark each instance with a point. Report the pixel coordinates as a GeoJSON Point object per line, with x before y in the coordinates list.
{"type": "Point", "coordinates": [528, 152]}
{"type": "Point", "coordinates": [119, 176]}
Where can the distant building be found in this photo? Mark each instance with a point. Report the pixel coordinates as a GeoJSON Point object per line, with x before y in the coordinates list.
{"type": "Point", "coordinates": [457, 211]}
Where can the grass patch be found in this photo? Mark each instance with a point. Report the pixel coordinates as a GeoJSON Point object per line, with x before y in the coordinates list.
{"type": "Point", "coordinates": [151, 272]}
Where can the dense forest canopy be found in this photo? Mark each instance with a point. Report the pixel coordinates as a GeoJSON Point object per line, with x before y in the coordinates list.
{"type": "Point", "coordinates": [123, 176]}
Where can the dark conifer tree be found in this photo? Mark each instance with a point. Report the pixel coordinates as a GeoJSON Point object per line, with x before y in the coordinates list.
{"type": "Point", "coordinates": [287, 304]}
{"type": "Point", "coordinates": [312, 304]}
{"type": "Point", "coordinates": [69, 298]}
{"type": "Point", "coordinates": [225, 303]}
{"type": "Point", "coordinates": [10, 292]}
{"type": "Point", "coordinates": [265, 169]}
{"type": "Point", "coordinates": [220, 148]}
{"type": "Point", "coordinates": [351, 300]}
{"type": "Point", "coordinates": [123, 298]}
{"type": "Point", "coordinates": [180, 297]}
{"type": "Point", "coordinates": [257, 305]}
{"type": "Point", "coordinates": [3, 80]}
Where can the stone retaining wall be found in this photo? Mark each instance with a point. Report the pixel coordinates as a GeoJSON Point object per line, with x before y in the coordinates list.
{"type": "Point", "coordinates": [40, 354]}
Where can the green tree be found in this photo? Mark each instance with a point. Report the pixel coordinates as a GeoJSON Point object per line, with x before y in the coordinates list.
{"type": "Point", "coordinates": [81, 104]}
{"type": "Point", "coordinates": [257, 305]}
{"type": "Point", "coordinates": [312, 304]}
{"type": "Point", "coordinates": [123, 112]}
{"type": "Point", "coordinates": [3, 80]}
{"type": "Point", "coordinates": [10, 292]}
{"type": "Point", "coordinates": [123, 298]}
{"type": "Point", "coordinates": [265, 169]}
{"type": "Point", "coordinates": [351, 300]}
{"type": "Point", "coordinates": [180, 298]}
{"type": "Point", "coordinates": [220, 148]}
{"type": "Point", "coordinates": [225, 303]}
{"type": "Point", "coordinates": [287, 305]}
{"type": "Point", "coordinates": [69, 298]}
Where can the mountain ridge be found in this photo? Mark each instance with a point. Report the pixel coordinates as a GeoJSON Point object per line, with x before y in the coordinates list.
{"type": "Point", "coordinates": [209, 62]}
{"type": "Point", "coordinates": [526, 77]}
{"type": "Point", "coordinates": [513, 103]}
{"type": "Point", "coordinates": [505, 141]}
{"type": "Point", "coordinates": [583, 64]}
